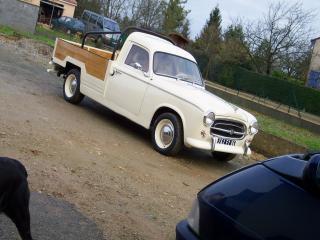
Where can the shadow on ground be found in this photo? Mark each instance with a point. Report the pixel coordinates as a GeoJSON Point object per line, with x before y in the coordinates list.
{"type": "Point", "coordinates": [53, 219]}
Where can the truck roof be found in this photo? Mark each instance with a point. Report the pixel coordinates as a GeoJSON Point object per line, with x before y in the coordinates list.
{"type": "Point", "coordinates": [157, 44]}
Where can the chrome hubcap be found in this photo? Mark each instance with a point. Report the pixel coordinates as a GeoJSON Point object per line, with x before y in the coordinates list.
{"type": "Point", "coordinates": [167, 134]}
{"type": "Point", "coordinates": [164, 134]}
{"type": "Point", "coordinates": [71, 85]}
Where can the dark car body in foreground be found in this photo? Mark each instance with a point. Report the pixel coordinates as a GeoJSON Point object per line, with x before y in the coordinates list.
{"type": "Point", "coordinates": [274, 199]}
{"type": "Point", "coordinates": [69, 24]}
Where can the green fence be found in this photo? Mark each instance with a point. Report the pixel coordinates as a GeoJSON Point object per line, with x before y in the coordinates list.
{"type": "Point", "coordinates": [284, 92]}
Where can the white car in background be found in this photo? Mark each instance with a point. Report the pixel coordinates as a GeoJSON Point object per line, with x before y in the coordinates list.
{"type": "Point", "coordinates": [158, 86]}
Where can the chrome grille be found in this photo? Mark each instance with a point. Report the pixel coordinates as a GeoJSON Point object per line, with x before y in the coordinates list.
{"type": "Point", "coordinates": [228, 129]}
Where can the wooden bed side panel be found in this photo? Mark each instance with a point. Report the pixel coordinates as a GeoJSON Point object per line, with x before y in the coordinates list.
{"type": "Point", "coordinates": [96, 65]}
{"type": "Point", "coordinates": [100, 52]}
{"type": "Point", "coordinates": [103, 54]}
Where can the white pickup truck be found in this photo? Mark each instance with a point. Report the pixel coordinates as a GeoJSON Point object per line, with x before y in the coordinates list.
{"type": "Point", "coordinates": [157, 85]}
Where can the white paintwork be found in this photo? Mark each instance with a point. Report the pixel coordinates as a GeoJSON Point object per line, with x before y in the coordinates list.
{"type": "Point", "coordinates": [137, 95]}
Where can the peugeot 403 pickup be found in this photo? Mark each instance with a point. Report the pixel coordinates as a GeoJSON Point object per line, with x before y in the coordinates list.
{"type": "Point", "coordinates": [154, 83]}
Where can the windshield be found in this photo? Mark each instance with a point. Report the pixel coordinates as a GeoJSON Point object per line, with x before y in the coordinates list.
{"type": "Point", "coordinates": [111, 25]}
{"type": "Point", "coordinates": [176, 67]}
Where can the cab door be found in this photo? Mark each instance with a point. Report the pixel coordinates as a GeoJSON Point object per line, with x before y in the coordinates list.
{"type": "Point", "coordinates": [129, 82]}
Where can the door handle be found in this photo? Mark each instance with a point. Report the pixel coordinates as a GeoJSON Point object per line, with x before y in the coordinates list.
{"type": "Point", "coordinates": [116, 71]}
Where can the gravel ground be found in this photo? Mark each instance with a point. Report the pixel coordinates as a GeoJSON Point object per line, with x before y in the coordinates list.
{"type": "Point", "coordinates": [53, 219]}
{"type": "Point", "coordinates": [91, 157]}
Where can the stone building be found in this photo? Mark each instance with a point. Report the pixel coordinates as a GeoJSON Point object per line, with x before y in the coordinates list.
{"type": "Point", "coordinates": [24, 14]}
{"type": "Point", "coordinates": [50, 9]}
{"type": "Point", "coordinates": [19, 14]}
{"type": "Point", "coordinates": [314, 72]}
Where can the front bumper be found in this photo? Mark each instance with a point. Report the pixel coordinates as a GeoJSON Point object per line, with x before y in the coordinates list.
{"type": "Point", "coordinates": [183, 232]}
{"type": "Point", "coordinates": [241, 147]}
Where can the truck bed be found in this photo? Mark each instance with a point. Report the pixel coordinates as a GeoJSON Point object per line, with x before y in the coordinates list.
{"type": "Point", "coordinates": [95, 60]}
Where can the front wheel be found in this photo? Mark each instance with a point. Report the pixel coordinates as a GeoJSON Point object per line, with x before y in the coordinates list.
{"type": "Point", "coordinates": [71, 87]}
{"type": "Point", "coordinates": [167, 134]}
{"type": "Point", "coordinates": [222, 156]}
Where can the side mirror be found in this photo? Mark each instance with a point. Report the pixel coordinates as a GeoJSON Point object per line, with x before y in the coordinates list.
{"type": "Point", "coordinates": [311, 172]}
{"type": "Point", "coordinates": [137, 65]}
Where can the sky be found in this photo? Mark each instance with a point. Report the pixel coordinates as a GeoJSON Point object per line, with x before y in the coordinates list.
{"type": "Point", "coordinates": [244, 9]}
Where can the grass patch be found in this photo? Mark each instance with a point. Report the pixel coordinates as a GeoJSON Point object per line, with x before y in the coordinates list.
{"type": "Point", "coordinates": [52, 34]}
{"type": "Point", "coordinates": [44, 35]}
{"type": "Point", "coordinates": [7, 31]}
{"type": "Point", "coordinates": [299, 136]}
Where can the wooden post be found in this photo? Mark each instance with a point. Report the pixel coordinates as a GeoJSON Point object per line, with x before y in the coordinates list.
{"type": "Point", "coordinates": [51, 15]}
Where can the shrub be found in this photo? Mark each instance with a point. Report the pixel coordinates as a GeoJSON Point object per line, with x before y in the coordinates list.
{"type": "Point", "coordinates": [282, 91]}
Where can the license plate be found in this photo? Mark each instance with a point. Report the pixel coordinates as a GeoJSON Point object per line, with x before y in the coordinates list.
{"type": "Point", "coordinates": [225, 141]}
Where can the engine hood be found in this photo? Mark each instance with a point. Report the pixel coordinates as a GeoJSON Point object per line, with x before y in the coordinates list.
{"type": "Point", "coordinates": [258, 200]}
{"type": "Point", "coordinates": [203, 99]}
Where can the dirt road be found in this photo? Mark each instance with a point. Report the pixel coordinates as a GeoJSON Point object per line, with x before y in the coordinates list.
{"type": "Point", "coordinates": [94, 158]}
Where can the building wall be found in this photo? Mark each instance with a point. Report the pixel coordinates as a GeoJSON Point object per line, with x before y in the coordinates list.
{"type": "Point", "coordinates": [313, 80]}
{"type": "Point", "coordinates": [68, 10]}
{"type": "Point", "coordinates": [34, 2]}
{"type": "Point", "coordinates": [19, 15]}
{"type": "Point", "coordinates": [315, 60]}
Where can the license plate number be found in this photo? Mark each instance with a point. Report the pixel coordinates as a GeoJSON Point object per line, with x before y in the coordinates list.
{"type": "Point", "coordinates": [225, 141]}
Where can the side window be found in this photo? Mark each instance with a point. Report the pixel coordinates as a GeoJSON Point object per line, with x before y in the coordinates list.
{"type": "Point", "coordinates": [138, 56]}
{"type": "Point", "coordinates": [93, 19]}
{"type": "Point", "coordinates": [86, 16]}
{"type": "Point", "coordinates": [100, 23]}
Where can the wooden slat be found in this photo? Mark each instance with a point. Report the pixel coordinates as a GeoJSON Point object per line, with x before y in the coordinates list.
{"type": "Point", "coordinates": [101, 53]}
{"type": "Point", "coordinates": [96, 65]}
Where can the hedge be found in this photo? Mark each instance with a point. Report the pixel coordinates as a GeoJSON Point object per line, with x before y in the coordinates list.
{"type": "Point", "coordinates": [284, 92]}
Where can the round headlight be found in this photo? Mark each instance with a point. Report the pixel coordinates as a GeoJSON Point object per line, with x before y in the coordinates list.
{"type": "Point", "coordinates": [254, 128]}
{"type": "Point", "coordinates": [209, 119]}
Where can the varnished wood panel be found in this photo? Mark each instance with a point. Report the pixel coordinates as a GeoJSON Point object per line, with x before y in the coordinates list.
{"type": "Point", "coordinates": [101, 53]}
{"type": "Point", "coordinates": [96, 65]}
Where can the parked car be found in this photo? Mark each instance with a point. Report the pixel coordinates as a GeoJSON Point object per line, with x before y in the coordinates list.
{"type": "Point", "coordinates": [96, 23]}
{"type": "Point", "coordinates": [275, 199]}
{"type": "Point", "coordinates": [69, 24]}
{"type": "Point", "coordinates": [158, 86]}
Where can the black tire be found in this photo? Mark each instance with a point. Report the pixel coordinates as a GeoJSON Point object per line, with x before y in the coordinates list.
{"type": "Point", "coordinates": [74, 96]}
{"type": "Point", "coordinates": [222, 156]}
{"type": "Point", "coordinates": [177, 142]}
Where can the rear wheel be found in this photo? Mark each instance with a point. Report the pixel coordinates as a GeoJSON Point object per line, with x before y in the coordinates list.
{"type": "Point", "coordinates": [222, 156]}
{"type": "Point", "coordinates": [71, 87]}
{"type": "Point", "coordinates": [167, 134]}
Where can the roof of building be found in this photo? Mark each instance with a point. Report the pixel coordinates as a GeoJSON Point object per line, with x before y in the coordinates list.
{"type": "Point", "coordinates": [179, 39]}
{"type": "Point", "coordinates": [315, 39]}
{"type": "Point", "coordinates": [73, 2]}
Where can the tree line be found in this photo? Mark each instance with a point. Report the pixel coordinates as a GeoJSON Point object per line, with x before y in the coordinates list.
{"type": "Point", "coordinates": [158, 15]}
{"type": "Point", "coordinates": [277, 44]}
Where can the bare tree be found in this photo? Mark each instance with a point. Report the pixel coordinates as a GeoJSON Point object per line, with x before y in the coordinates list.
{"type": "Point", "coordinates": [114, 9]}
{"type": "Point", "coordinates": [144, 13]}
{"type": "Point", "coordinates": [147, 13]}
{"type": "Point", "coordinates": [282, 32]}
